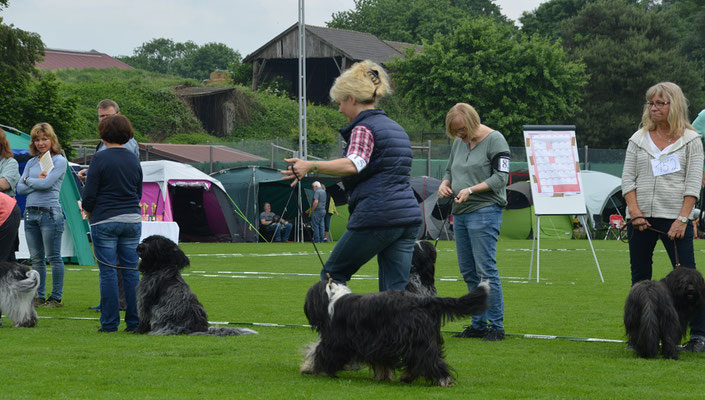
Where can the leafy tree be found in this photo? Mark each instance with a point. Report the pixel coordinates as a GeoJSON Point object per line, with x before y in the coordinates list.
{"type": "Point", "coordinates": [547, 17]}
{"type": "Point", "coordinates": [26, 96]}
{"type": "Point", "coordinates": [509, 78]}
{"type": "Point", "coordinates": [687, 17]}
{"type": "Point", "coordinates": [159, 55]}
{"type": "Point", "coordinates": [183, 59]}
{"type": "Point", "coordinates": [199, 63]}
{"type": "Point", "coordinates": [411, 21]}
{"type": "Point", "coordinates": [626, 49]}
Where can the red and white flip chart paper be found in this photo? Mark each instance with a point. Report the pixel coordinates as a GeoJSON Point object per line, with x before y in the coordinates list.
{"type": "Point", "coordinates": [553, 162]}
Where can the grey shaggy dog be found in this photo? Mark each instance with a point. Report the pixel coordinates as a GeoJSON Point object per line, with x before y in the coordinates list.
{"type": "Point", "coordinates": [165, 302]}
{"type": "Point", "coordinates": [18, 286]}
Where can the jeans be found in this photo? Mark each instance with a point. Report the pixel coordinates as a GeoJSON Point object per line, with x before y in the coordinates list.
{"type": "Point", "coordinates": [476, 236]}
{"type": "Point", "coordinates": [318, 225]}
{"type": "Point", "coordinates": [393, 246]}
{"type": "Point", "coordinates": [641, 251]}
{"type": "Point", "coordinates": [113, 241]}
{"type": "Point", "coordinates": [280, 233]}
{"type": "Point", "coordinates": [43, 228]}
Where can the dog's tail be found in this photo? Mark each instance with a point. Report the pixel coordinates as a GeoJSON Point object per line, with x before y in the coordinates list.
{"type": "Point", "coordinates": [225, 331]}
{"type": "Point", "coordinates": [31, 283]}
{"type": "Point", "coordinates": [450, 308]}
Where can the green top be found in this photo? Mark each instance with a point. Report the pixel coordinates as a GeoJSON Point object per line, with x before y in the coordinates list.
{"type": "Point", "coordinates": [470, 167]}
{"type": "Point", "coordinates": [699, 123]}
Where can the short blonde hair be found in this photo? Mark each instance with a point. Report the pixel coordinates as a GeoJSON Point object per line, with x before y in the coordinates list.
{"type": "Point", "coordinates": [467, 113]}
{"type": "Point", "coordinates": [677, 113]}
{"type": "Point", "coordinates": [44, 129]}
{"type": "Point", "coordinates": [365, 82]}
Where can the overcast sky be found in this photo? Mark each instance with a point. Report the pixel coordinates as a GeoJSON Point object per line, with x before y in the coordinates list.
{"type": "Point", "coordinates": [117, 27]}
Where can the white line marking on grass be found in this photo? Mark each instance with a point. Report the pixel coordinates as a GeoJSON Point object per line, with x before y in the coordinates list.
{"type": "Point", "coordinates": [282, 254]}
{"type": "Point", "coordinates": [278, 325]}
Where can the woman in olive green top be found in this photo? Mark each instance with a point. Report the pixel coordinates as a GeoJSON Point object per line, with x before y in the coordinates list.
{"type": "Point", "coordinates": [476, 177]}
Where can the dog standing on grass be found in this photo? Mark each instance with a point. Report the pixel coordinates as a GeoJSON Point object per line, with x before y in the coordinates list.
{"type": "Point", "coordinates": [18, 286]}
{"type": "Point", "coordinates": [385, 330]}
{"type": "Point", "coordinates": [165, 302]}
{"type": "Point", "coordinates": [659, 311]}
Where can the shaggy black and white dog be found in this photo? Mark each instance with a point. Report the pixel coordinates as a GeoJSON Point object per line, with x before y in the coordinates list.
{"type": "Point", "coordinates": [18, 286]}
{"type": "Point", "coordinates": [659, 311]}
{"type": "Point", "coordinates": [423, 269]}
{"type": "Point", "coordinates": [165, 302]}
{"type": "Point", "coordinates": [386, 331]}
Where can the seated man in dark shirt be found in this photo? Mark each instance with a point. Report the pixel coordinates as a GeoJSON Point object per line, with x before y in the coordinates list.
{"type": "Point", "coordinates": [268, 222]}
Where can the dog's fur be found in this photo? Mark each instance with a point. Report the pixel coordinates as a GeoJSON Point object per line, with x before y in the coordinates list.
{"type": "Point", "coordinates": [165, 302]}
{"type": "Point", "coordinates": [423, 269]}
{"type": "Point", "coordinates": [386, 330]}
{"type": "Point", "coordinates": [659, 311]}
{"type": "Point", "coordinates": [18, 286]}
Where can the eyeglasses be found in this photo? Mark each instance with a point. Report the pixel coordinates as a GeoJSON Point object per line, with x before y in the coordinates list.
{"type": "Point", "coordinates": [103, 116]}
{"type": "Point", "coordinates": [658, 104]}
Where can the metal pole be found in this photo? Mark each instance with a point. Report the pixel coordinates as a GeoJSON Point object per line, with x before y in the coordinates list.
{"type": "Point", "coordinates": [302, 83]}
{"type": "Point", "coordinates": [586, 158]}
{"type": "Point", "coordinates": [428, 159]}
{"type": "Point", "coordinates": [210, 156]}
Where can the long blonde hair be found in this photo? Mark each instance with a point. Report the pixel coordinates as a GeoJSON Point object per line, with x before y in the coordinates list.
{"type": "Point", "coordinates": [678, 112]}
{"type": "Point", "coordinates": [365, 82]}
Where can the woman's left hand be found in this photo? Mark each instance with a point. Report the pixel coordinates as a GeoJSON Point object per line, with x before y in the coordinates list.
{"type": "Point", "coordinates": [677, 230]}
{"type": "Point", "coordinates": [462, 196]}
{"type": "Point", "coordinates": [42, 175]}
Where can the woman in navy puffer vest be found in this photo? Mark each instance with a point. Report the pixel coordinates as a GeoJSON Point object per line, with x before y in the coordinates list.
{"type": "Point", "coordinates": [384, 214]}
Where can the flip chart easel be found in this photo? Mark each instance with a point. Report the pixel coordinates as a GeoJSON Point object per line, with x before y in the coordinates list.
{"type": "Point", "coordinates": [556, 185]}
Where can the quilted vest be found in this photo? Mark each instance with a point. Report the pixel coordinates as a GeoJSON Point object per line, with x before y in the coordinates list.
{"type": "Point", "coordinates": [381, 195]}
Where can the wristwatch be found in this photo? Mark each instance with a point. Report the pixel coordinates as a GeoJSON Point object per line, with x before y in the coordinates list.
{"type": "Point", "coordinates": [682, 219]}
{"type": "Point", "coordinates": [469, 191]}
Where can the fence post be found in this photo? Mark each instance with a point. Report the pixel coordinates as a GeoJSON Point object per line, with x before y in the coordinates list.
{"type": "Point", "coordinates": [210, 156]}
{"type": "Point", "coordinates": [586, 158]}
{"type": "Point", "coordinates": [146, 153]}
{"type": "Point", "coordinates": [428, 159]}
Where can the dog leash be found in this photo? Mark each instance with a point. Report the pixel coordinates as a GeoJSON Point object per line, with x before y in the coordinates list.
{"type": "Point", "coordinates": [675, 246]}
{"type": "Point", "coordinates": [298, 182]}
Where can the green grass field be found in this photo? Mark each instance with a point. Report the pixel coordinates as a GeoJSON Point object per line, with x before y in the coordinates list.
{"type": "Point", "coordinates": [64, 357]}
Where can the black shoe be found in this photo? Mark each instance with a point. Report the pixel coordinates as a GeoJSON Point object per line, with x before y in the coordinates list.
{"type": "Point", "coordinates": [471, 332]}
{"type": "Point", "coordinates": [694, 345]}
{"type": "Point", "coordinates": [38, 302]}
{"type": "Point", "coordinates": [494, 335]}
{"type": "Point", "coordinates": [101, 330]}
{"type": "Point", "coordinates": [52, 303]}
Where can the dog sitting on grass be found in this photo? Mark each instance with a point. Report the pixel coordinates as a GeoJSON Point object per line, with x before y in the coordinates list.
{"type": "Point", "coordinates": [18, 286]}
{"type": "Point", "coordinates": [165, 302]}
{"type": "Point", "coordinates": [659, 311]}
{"type": "Point", "coordinates": [385, 330]}
{"type": "Point", "coordinates": [423, 269]}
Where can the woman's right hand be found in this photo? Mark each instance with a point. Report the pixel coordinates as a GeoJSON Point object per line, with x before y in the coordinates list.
{"type": "Point", "coordinates": [444, 191]}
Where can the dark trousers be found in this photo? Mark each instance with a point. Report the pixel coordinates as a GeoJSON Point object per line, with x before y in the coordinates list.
{"type": "Point", "coordinates": [641, 251]}
{"type": "Point", "coordinates": [8, 235]}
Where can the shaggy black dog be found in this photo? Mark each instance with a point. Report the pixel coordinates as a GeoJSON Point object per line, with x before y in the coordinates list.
{"type": "Point", "coordinates": [165, 302]}
{"type": "Point", "coordinates": [659, 311]}
{"type": "Point", "coordinates": [423, 269]}
{"type": "Point", "coordinates": [18, 286]}
{"type": "Point", "coordinates": [386, 330]}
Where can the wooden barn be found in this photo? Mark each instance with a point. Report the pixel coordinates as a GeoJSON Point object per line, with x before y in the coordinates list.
{"type": "Point", "coordinates": [328, 52]}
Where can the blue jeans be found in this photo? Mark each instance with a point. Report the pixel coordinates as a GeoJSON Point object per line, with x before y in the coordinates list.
{"type": "Point", "coordinates": [43, 228]}
{"type": "Point", "coordinates": [393, 246]}
{"type": "Point", "coordinates": [280, 232]}
{"type": "Point", "coordinates": [113, 241]}
{"type": "Point", "coordinates": [476, 236]}
{"type": "Point", "coordinates": [641, 251]}
{"type": "Point", "coordinates": [318, 225]}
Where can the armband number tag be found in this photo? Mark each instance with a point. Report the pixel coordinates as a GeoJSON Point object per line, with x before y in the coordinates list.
{"type": "Point", "coordinates": [503, 164]}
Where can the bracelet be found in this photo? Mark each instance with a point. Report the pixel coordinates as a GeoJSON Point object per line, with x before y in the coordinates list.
{"type": "Point", "coordinates": [315, 168]}
{"type": "Point", "coordinates": [469, 191]}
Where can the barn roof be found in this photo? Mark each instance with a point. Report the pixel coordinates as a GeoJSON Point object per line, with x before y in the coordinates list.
{"type": "Point", "coordinates": [59, 59]}
{"type": "Point", "coordinates": [351, 44]}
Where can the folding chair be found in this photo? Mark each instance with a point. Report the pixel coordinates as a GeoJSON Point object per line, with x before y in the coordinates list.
{"type": "Point", "coordinates": [615, 226]}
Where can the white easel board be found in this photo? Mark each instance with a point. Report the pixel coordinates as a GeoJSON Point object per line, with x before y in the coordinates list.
{"type": "Point", "coordinates": [556, 184]}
